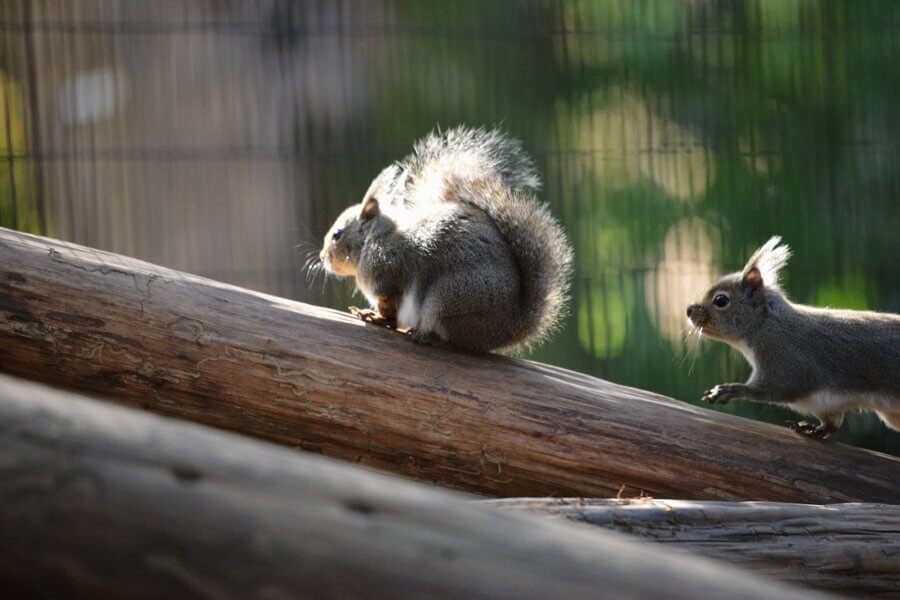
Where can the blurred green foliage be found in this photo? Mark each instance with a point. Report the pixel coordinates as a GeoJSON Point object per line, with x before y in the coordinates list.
{"type": "Point", "coordinates": [18, 199]}
{"type": "Point", "coordinates": [674, 138]}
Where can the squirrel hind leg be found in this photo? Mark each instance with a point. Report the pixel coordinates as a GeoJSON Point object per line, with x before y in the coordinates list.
{"type": "Point", "coordinates": [468, 313]}
{"type": "Point", "coordinates": [460, 332]}
{"type": "Point", "coordinates": [476, 332]}
{"type": "Point", "coordinates": [426, 338]}
{"type": "Point", "coordinates": [829, 424]}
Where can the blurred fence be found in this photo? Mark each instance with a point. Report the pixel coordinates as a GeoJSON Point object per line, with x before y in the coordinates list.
{"type": "Point", "coordinates": [216, 136]}
{"type": "Point", "coordinates": [174, 131]}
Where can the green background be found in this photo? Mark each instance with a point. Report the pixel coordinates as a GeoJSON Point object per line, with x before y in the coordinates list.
{"type": "Point", "coordinates": [673, 139]}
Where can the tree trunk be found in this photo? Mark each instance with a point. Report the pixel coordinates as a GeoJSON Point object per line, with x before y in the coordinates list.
{"type": "Point", "coordinates": [846, 548]}
{"type": "Point", "coordinates": [99, 500]}
{"type": "Point", "coordinates": [317, 379]}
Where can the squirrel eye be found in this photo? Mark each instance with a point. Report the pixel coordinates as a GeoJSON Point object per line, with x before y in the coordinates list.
{"type": "Point", "coordinates": [337, 234]}
{"type": "Point", "coordinates": [721, 300]}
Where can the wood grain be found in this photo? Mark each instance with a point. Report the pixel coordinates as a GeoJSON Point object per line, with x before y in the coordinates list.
{"type": "Point", "coordinates": [98, 500]}
{"type": "Point", "coordinates": [851, 549]}
{"type": "Point", "coordinates": [316, 379]}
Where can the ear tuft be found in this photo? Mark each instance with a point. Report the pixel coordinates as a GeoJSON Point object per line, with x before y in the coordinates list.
{"type": "Point", "coordinates": [370, 209]}
{"type": "Point", "coordinates": [766, 262]}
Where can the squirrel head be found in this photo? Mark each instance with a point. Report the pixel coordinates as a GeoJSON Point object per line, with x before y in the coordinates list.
{"type": "Point", "coordinates": [737, 304]}
{"type": "Point", "coordinates": [345, 240]}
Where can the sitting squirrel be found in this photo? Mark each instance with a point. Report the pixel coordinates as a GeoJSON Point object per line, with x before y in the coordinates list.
{"type": "Point", "coordinates": [819, 361]}
{"type": "Point", "coordinates": [451, 245]}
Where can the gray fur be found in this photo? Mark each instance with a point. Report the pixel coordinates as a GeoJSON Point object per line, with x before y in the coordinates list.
{"type": "Point", "coordinates": [462, 238]}
{"type": "Point", "coordinates": [821, 361]}
{"type": "Point", "coordinates": [503, 153]}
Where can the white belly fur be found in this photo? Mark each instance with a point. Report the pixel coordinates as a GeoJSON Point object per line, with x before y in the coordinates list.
{"type": "Point", "coordinates": [409, 313]}
{"type": "Point", "coordinates": [831, 402]}
{"type": "Point", "coordinates": [363, 287]}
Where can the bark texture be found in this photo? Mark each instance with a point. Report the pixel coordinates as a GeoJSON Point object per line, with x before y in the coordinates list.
{"type": "Point", "coordinates": [316, 379]}
{"type": "Point", "coordinates": [851, 549]}
{"type": "Point", "coordinates": [97, 500]}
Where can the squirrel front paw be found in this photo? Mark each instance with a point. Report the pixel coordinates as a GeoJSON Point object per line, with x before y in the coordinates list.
{"type": "Point", "coordinates": [370, 316]}
{"type": "Point", "coordinates": [722, 393]}
{"type": "Point", "coordinates": [819, 432]}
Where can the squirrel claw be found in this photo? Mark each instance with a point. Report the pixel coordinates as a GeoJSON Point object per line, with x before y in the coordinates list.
{"type": "Point", "coordinates": [808, 429]}
{"type": "Point", "coordinates": [717, 395]}
{"type": "Point", "coordinates": [369, 316]}
{"type": "Point", "coordinates": [363, 314]}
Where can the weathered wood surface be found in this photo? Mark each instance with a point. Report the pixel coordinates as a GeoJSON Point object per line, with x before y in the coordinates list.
{"type": "Point", "coordinates": [317, 379]}
{"type": "Point", "coordinates": [99, 500]}
{"type": "Point", "coordinates": [852, 549]}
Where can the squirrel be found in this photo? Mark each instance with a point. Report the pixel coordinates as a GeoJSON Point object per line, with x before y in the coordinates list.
{"type": "Point", "coordinates": [818, 361]}
{"type": "Point", "coordinates": [451, 245]}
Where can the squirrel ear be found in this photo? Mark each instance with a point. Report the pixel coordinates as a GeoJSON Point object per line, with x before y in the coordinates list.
{"type": "Point", "coordinates": [766, 262]}
{"type": "Point", "coordinates": [370, 209]}
{"type": "Point", "coordinates": [753, 278]}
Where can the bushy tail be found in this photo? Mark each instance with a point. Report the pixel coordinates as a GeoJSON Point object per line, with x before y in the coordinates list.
{"type": "Point", "coordinates": [544, 257]}
{"type": "Point", "coordinates": [491, 171]}
{"type": "Point", "coordinates": [494, 150]}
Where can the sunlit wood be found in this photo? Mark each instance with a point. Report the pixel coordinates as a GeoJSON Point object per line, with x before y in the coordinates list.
{"type": "Point", "coordinates": [316, 379]}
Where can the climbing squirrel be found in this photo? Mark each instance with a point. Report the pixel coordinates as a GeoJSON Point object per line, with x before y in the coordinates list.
{"type": "Point", "coordinates": [818, 361]}
{"type": "Point", "coordinates": [451, 245]}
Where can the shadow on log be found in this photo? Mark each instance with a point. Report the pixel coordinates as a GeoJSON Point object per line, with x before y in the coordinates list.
{"type": "Point", "coordinates": [845, 548]}
{"type": "Point", "coordinates": [99, 500]}
{"type": "Point", "coordinates": [316, 379]}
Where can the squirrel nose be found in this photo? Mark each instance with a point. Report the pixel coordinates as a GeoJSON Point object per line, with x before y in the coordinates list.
{"type": "Point", "coordinates": [690, 310]}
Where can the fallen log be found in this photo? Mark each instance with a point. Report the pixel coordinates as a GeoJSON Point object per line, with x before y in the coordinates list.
{"type": "Point", "coordinates": [319, 380]}
{"type": "Point", "coordinates": [100, 500]}
{"type": "Point", "coordinates": [851, 549]}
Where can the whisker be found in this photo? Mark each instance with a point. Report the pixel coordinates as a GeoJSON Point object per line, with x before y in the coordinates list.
{"type": "Point", "coordinates": [314, 270]}
{"type": "Point", "coordinates": [311, 261]}
{"type": "Point", "coordinates": [311, 247]}
{"type": "Point", "coordinates": [696, 349]}
{"type": "Point", "coordinates": [688, 347]}
{"type": "Point", "coordinates": [304, 229]}
{"type": "Point", "coordinates": [682, 349]}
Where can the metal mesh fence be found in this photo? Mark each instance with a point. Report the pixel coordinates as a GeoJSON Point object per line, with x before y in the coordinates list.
{"type": "Point", "coordinates": [221, 137]}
